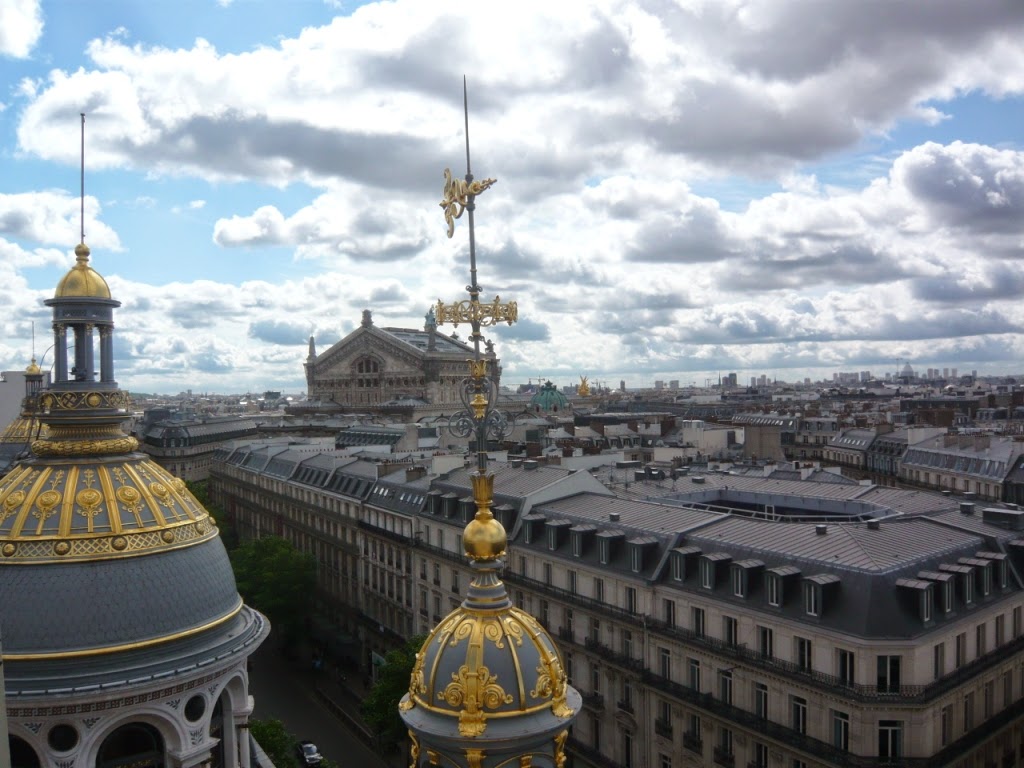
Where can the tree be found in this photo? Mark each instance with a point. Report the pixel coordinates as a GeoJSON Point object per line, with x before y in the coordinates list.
{"type": "Point", "coordinates": [278, 580]}
{"type": "Point", "coordinates": [275, 741]}
{"type": "Point", "coordinates": [228, 535]}
{"type": "Point", "coordinates": [380, 708]}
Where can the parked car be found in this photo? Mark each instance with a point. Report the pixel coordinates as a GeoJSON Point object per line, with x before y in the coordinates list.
{"type": "Point", "coordinates": [308, 753]}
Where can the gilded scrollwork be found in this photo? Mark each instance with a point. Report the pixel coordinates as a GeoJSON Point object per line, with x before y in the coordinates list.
{"type": "Point", "coordinates": [473, 311]}
{"type": "Point", "coordinates": [456, 196]}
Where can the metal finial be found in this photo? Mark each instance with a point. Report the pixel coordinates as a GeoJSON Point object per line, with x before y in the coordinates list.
{"type": "Point", "coordinates": [465, 115]}
{"type": "Point", "coordinates": [81, 201]}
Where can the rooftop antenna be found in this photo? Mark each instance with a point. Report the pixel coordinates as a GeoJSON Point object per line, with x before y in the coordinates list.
{"type": "Point", "coordinates": [81, 203]}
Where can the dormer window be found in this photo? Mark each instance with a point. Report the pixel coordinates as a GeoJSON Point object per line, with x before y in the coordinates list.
{"type": "Point", "coordinates": [682, 558]}
{"type": "Point", "coordinates": [711, 567]}
{"type": "Point", "coordinates": [707, 574]}
{"type": "Point", "coordinates": [812, 599]}
{"type": "Point", "coordinates": [738, 582]}
{"type": "Point", "coordinates": [552, 537]}
{"type": "Point", "coordinates": [577, 544]}
{"type": "Point", "coordinates": [942, 594]}
{"type": "Point", "coordinates": [604, 549]}
{"type": "Point", "coordinates": [741, 576]}
{"type": "Point", "coordinates": [637, 549]}
{"type": "Point", "coordinates": [920, 592]}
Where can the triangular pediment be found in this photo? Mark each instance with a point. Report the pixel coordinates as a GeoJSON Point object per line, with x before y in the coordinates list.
{"type": "Point", "coordinates": [365, 341]}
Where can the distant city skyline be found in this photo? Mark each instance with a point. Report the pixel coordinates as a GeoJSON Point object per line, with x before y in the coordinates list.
{"type": "Point", "coordinates": [680, 192]}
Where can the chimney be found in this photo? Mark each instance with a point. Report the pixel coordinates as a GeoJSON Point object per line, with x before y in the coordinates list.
{"type": "Point", "coordinates": [874, 525]}
{"type": "Point", "coordinates": [613, 517]}
{"type": "Point", "coordinates": [966, 508]}
{"type": "Point", "coordinates": [821, 530]}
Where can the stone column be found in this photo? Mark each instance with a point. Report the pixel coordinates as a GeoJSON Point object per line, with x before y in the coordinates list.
{"type": "Point", "coordinates": [90, 353]}
{"type": "Point", "coordinates": [106, 353]}
{"type": "Point", "coordinates": [60, 352]}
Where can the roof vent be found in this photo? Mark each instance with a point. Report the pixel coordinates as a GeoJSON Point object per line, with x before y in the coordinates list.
{"type": "Point", "coordinates": [946, 492]}
{"type": "Point", "coordinates": [613, 517]}
{"type": "Point", "coordinates": [873, 525]}
{"type": "Point", "coordinates": [516, 462]}
{"type": "Point", "coordinates": [697, 479]}
{"type": "Point", "coordinates": [821, 530]}
{"type": "Point", "coordinates": [530, 464]}
{"type": "Point", "coordinates": [966, 508]}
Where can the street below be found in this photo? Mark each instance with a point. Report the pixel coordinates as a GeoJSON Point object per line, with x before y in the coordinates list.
{"type": "Point", "coordinates": [284, 690]}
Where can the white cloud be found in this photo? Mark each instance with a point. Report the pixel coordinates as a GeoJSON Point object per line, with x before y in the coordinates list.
{"type": "Point", "coordinates": [21, 26]}
{"type": "Point", "coordinates": [53, 218]}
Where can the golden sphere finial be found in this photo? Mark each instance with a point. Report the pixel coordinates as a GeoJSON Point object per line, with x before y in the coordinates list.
{"type": "Point", "coordinates": [33, 367]}
{"type": "Point", "coordinates": [82, 253]}
{"type": "Point", "coordinates": [484, 539]}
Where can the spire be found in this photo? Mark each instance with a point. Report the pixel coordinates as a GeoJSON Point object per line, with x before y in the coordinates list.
{"type": "Point", "coordinates": [509, 701]}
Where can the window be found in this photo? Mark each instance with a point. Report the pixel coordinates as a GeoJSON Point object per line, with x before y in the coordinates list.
{"type": "Point", "coordinates": [664, 761]}
{"type": "Point", "coordinates": [760, 755]}
{"type": "Point", "coordinates": [803, 653]}
{"type": "Point", "coordinates": [845, 666]}
{"type": "Point", "coordinates": [547, 573]}
{"type": "Point", "coordinates": [1000, 630]}
{"type": "Point", "coordinates": [627, 749]}
{"type": "Point", "coordinates": [890, 739]}
{"type": "Point", "coordinates": [455, 581]}
{"type": "Point", "coordinates": [926, 605]}
{"type": "Point", "coordinates": [765, 642]}
{"type": "Point", "coordinates": [938, 660]}
{"type": "Point", "coordinates": [552, 538]}
{"type": "Point", "coordinates": [961, 650]}
{"type": "Point", "coordinates": [694, 667]}
{"type": "Point", "coordinates": [841, 730]}
{"type": "Point", "coordinates": [570, 579]}
{"type": "Point", "coordinates": [603, 550]}
{"type": "Point", "coordinates": [812, 599]}
{"type": "Point", "coordinates": [423, 569]}
{"type": "Point", "coordinates": [544, 612]}
{"type": "Point", "coordinates": [568, 621]}
{"type": "Point", "coordinates": [595, 678]}
{"type": "Point", "coordinates": [631, 599]}
{"type": "Point", "coordinates": [761, 700]}
{"type": "Point", "coordinates": [798, 714]}
{"type": "Point", "coordinates": [568, 668]}
{"type": "Point", "coordinates": [1007, 688]}
{"type": "Point", "coordinates": [725, 741]}
{"type": "Point", "coordinates": [968, 582]}
{"type": "Point", "coordinates": [945, 726]}
{"type": "Point", "coordinates": [599, 590]}
{"type": "Point", "coordinates": [980, 639]}
{"type": "Point", "coordinates": [947, 596]}
{"type": "Point", "coordinates": [707, 574]}
{"type": "Point", "coordinates": [739, 582]}
{"type": "Point", "coordinates": [697, 614]}
{"type": "Point", "coordinates": [888, 674]}
{"type": "Point", "coordinates": [669, 609]}
{"type": "Point", "coordinates": [729, 631]}
{"type": "Point", "coordinates": [988, 699]}
{"type": "Point", "coordinates": [665, 663]}
{"type": "Point", "coordinates": [636, 558]}
{"type": "Point", "coordinates": [694, 731]}
{"type": "Point", "coordinates": [577, 544]}
{"type": "Point", "coordinates": [627, 643]}
{"type": "Point", "coordinates": [773, 584]}
{"type": "Point", "coordinates": [968, 711]}
{"type": "Point", "coordinates": [594, 633]}
{"type": "Point", "coordinates": [678, 567]}
{"type": "Point", "coordinates": [725, 686]}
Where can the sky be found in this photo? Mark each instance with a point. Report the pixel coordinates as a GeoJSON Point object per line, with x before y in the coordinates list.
{"type": "Point", "coordinates": [684, 188]}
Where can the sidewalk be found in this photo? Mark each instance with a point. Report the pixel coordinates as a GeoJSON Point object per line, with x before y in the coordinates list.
{"type": "Point", "coordinates": [343, 693]}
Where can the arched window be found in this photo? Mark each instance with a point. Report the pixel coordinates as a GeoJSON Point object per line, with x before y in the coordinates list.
{"type": "Point", "coordinates": [22, 755]}
{"type": "Point", "coordinates": [138, 745]}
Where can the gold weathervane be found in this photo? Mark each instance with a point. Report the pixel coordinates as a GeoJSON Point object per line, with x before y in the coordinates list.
{"type": "Point", "coordinates": [456, 197]}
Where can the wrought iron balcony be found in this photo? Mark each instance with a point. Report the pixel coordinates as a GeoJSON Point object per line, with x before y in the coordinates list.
{"type": "Point", "coordinates": [593, 700]}
{"type": "Point", "coordinates": [693, 742]}
{"type": "Point", "coordinates": [725, 757]}
{"type": "Point", "coordinates": [591, 644]}
{"type": "Point", "coordinates": [593, 756]}
{"type": "Point", "coordinates": [663, 728]}
{"type": "Point", "coordinates": [625, 706]}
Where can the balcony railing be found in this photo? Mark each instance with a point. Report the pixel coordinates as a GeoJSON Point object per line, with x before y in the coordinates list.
{"type": "Point", "coordinates": [663, 728]}
{"type": "Point", "coordinates": [625, 706]}
{"type": "Point", "coordinates": [591, 755]}
{"type": "Point", "coordinates": [693, 742]}
{"type": "Point", "coordinates": [723, 756]}
{"type": "Point", "coordinates": [593, 700]}
{"type": "Point", "coordinates": [621, 659]}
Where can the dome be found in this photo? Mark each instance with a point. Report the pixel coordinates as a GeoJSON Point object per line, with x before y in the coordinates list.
{"type": "Point", "coordinates": [82, 281]}
{"type": "Point", "coordinates": [549, 400]}
{"type": "Point", "coordinates": [106, 554]}
{"type": "Point", "coordinates": [500, 658]}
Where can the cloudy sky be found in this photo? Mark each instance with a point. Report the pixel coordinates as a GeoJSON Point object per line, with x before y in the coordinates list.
{"type": "Point", "coordinates": [688, 187]}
